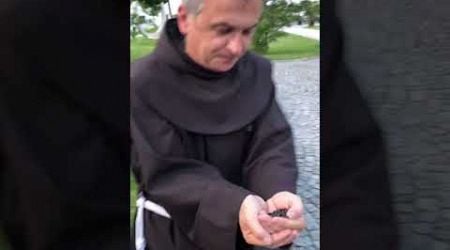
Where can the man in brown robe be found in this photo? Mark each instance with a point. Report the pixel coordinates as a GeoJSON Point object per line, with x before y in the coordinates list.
{"type": "Point", "coordinates": [212, 147]}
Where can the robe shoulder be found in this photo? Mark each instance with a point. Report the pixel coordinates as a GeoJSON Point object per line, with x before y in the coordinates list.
{"type": "Point", "coordinates": [204, 105]}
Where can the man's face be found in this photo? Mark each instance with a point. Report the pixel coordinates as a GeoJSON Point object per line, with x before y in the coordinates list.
{"type": "Point", "coordinates": [220, 34]}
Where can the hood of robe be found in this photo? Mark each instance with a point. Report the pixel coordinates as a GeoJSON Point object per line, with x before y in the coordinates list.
{"type": "Point", "coordinates": [195, 98]}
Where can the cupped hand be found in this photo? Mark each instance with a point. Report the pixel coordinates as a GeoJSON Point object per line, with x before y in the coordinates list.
{"type": "Point", "coordinates": [283, 231]}
{"type": "Point", "coordinates": [252, 230]}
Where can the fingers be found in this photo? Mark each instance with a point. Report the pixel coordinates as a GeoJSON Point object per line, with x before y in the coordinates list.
{"type": "Point", "coordinates": [271, 205]}
{"type": "Point", "coordinates": [252, 239]}
{"type": "Point", "coordinates": [279, 223]}
{"type": "Point", "coordinates": [283, 238]}
{"type": "Point", "coordinates": [261, 229]}
{"type": "Point", "coordinates": [258, 231]}
{"type": "Point", "coordinates": [283, 231]}
{"type": "Point", "coordinates": [253, 232]}
{"type": "Point", "coordinates": [276, 224]}
{"type": "Point", "coordinates": [294, 213]}
{"type": "Point", "coordinates": [277, 227]}
{"type": "Point", "coordinates": [266, 222]}
{"type": "Point", "coordinates": [285, 200]}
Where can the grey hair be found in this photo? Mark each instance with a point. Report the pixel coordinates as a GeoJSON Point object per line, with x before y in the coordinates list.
{"type": "Point", "coordinates": [193, 6]}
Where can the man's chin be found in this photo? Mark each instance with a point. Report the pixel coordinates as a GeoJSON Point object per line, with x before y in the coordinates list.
{"type": "Point", "coordinates": [224, 66]}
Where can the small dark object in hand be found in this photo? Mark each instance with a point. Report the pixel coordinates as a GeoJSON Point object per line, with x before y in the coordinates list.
{"type": "Point", "coordinates": [279, 213]}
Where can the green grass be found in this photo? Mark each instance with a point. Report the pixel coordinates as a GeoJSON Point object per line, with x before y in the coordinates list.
{"type": "Point", "coordinates": [293, 47]}
{"type": "Point", "coordinates": [286, 47]}
{"type": "Point", "coordinates": [133, 197]}
{"type": "Point", "coordinates": [141, 47]}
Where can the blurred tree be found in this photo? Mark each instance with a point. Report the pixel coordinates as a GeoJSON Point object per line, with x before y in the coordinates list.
{"type": "Point", "coordinates": [152, 6]}
{"type": "Point", "coordinates": [276, 14]}
{"type": "Point", "coordinates": [141, 22]}
{"type": "Point", "coordinates": [135, 21]}
{"type": "Point", "coordinates": [311, 11]}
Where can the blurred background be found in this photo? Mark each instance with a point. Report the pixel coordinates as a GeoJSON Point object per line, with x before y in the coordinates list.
{"type": "Point", "coordinates": [288, 34]}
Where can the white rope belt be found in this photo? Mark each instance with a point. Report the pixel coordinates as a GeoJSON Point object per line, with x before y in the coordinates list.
{"type": "Point", "coordinates": [142, 204]}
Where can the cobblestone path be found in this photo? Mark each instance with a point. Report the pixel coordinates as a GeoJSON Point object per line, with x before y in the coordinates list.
{"type": "Point", "coordinates": [298, 94]}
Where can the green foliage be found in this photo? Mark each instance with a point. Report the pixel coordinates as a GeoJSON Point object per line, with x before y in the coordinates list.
{"type": "Point", "coordinates": [139, 25]}
{"type": "Point", "coordinates": [151, 3]}
{"type": "Point", "coordinates": [136, 20]}
{"type": "Point", "coordinates": [276, 14]}
{"type": "Point", "coordinates": [287, 46]}
{"type": "Point", "coordinates": [311, 11]}
{"type": "Point", "coordinates": [152, 6]}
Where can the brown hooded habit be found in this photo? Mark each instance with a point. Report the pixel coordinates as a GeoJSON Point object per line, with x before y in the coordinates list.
{"type": "Point", "coordinates": [203, 141]}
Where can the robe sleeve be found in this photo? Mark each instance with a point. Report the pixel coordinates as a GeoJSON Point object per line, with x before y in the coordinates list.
{"type": "Point", "coordinates": [271, 166]}
{"type": "Point", "coordinates": [201, 202]}
{"type": "Point", "coordinates": [356, 210]}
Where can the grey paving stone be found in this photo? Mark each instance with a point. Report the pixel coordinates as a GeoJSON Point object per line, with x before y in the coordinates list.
{"type": "Point", "coordinates": [297, 86]}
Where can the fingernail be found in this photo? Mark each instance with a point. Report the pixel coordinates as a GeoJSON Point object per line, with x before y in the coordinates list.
{"type": "Point", "coordinates": [289, 214]}
{"type": "Point", "coordinates": [294, 213]}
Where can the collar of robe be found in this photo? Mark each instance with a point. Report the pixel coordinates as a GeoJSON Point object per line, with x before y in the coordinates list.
{"type": "Point", "coordinates": [197, 99]}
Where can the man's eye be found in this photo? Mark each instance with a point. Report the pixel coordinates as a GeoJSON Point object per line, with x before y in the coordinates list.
{"type": "Point", "coordinates": [224, 31]}
{"type": "Point", "coordinates": [247, 32]}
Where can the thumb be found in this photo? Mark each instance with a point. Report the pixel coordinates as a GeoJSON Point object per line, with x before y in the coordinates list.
{"type": "Point", "coordinates": [294, 213]}
{"type": "Point", "coordinates": [253, 206]}
{"type": "Point", "coordinates": [258, 230]}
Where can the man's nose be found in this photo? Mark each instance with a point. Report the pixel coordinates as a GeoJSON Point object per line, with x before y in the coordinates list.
{"type": "Point", "coordinates": [236, 45]}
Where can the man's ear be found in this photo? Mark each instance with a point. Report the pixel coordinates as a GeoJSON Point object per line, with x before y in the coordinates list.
{"type": "Point", "coordinates": [182, 19]}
